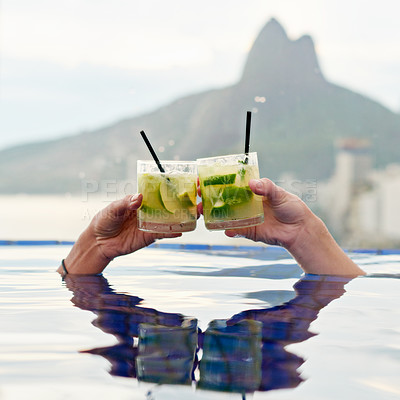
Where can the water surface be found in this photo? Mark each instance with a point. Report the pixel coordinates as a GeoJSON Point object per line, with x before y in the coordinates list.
{"type": "Point", "coordinates": [264, 329]}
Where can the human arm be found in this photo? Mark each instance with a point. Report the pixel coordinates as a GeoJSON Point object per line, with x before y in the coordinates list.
{"type": "Point", "coordinates": [112, 232]}
{"type": "Point", "coordinates": [288, 222]}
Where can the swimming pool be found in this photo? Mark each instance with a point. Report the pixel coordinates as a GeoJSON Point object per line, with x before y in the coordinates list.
{"type": "Point", "coordinates": [144, 330]}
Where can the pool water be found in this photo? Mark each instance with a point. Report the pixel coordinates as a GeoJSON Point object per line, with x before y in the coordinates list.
{"type": "Point", "coordinates": [197, 322]}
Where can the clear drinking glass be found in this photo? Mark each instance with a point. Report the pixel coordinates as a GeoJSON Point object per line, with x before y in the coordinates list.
{"type": "Point", "coordinates": [228, 201]}
{"type": "Point", "coordinates": [169, 199]}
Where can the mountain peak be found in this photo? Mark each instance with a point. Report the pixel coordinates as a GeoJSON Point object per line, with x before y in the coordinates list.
{"type": "Point", "coordinates": [279, 61]}
{"type": "Point", "coordinates": [273, 29]}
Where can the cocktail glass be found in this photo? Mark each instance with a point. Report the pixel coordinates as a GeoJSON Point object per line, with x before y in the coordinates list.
{"type": "Point", "coordinates": [228, 201]}
{"type": "Point", "coordinates": [169, 198]}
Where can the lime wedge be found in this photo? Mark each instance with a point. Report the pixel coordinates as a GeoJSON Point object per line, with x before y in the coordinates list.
{"type": "Point", "coordinates": [187, 199]}
{"type": "Point", "coordinates": [193, 194]}
{"type": "Point", "coordinates": [233, 195]}
{"type": "Point", "coordinates": [220, 180]}
{"type": "Point", "coordinates": [169, 196]}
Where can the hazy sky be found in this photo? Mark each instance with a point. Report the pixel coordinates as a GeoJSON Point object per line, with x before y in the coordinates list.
{"type": "Point", "coordinates": [72, 65]}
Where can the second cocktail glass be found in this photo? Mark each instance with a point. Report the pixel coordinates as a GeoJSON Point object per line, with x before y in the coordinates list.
{"type": "Point", "coordinates": [228, 201]}
{"type": "Point", "coordinates": [169, 199]}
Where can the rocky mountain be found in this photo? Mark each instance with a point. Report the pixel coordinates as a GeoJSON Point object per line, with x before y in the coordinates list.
{"type": "Point", "coordinates": [297, 116]}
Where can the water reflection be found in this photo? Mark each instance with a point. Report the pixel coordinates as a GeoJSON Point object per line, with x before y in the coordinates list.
{"type": "Point", "coordinates": [242, 354]}
{"type": "Point", "coordinates": [167, 353]}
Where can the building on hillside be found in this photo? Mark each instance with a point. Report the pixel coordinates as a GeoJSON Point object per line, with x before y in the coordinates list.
{"type": "Point", "coordinates": [377, 210]}
{"type": "Point", "coordinates": [359, 204]}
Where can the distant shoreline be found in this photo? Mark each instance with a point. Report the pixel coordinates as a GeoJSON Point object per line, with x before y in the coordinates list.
{"type": "Point", "coordinates": [64, 217]}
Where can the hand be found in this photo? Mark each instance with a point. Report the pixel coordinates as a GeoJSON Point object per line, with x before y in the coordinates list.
{"type": "Point", "coordinates": [113, 232]}
{"type": "Point", "coordinates": [288, 222]}
{"type": "Point", "coordinates": [285, 216]}
{"type": "Point", "coordinates": [115, 228]}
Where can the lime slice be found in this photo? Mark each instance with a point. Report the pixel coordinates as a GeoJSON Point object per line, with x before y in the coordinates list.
{"type": "Point", "coordinates": [220, 180]}
{"type": "Point", "coordinates": [219, 204]}
{"type": "Point", "coordinates": [150, 187]}
{"type": "Point", "coordinates": [220, 209]}
{"type": "Point", "coordinates": [169, 196]}
{"type": "Point", "coordinates": [233, 195]}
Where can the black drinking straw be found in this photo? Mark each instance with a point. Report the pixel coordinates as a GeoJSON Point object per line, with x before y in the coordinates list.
{"type": "Point", "coordinates": [247, 140]}
{"type": "Point", "coordinates": [153, 153]}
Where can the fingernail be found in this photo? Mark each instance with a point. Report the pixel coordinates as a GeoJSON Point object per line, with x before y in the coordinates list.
{"type": "Point", "coordinates": [134, 197]}
{"type": "Point", "coordinates": [259, 184]}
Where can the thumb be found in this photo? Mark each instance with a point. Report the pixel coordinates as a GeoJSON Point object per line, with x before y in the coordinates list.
{"type": "Point", "coordinates": [265, 187]}
{"type": "Point", "coordinates": [129, 203]}
{"type": "Point", "coordinates": [135, 201]}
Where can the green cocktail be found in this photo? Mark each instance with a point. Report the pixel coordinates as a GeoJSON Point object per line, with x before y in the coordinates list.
{"type": "Point", "coordinates": [169, 199]}
{"type": "Point", "coordinates": [228, 201]}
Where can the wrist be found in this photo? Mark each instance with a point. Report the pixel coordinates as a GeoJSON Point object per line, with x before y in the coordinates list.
{"type": "Point", "coordinates": [85, 257]}
{"type": "Point", "coordinates": [317, 252]}
{"type": "Point", "coordinates": [308, 239]}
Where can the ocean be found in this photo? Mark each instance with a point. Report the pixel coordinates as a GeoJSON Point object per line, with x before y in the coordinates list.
{"type": "Point", "coordinates": [64, 217]}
